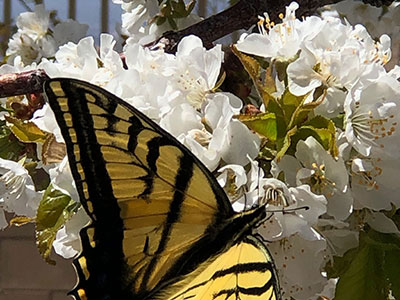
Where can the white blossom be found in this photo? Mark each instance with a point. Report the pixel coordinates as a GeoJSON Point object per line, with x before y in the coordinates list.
{"type": "Point", "coordinates": [372, 115]}
{"type": "Point", "coordinates": [335, 63]}
{"type": "Point", "coordinates": [325, 175]}
{"type": "Point", "coordinates": [380, 222]}
{"type": "Point", "coordinates": [138, 21]}
{"type": "Point", "coordinates": [294, 257]}
{"type": "Point", "coordinates": [67, 242]}
{"type": "Point", "coordinates": [45, 119]}
{"type": "Point", "coordinates": [17, 191]}
{"type": "Point", "coordinates": [374, 181]}
{"type": "Point", "coordinates": [35, 40]}
{"type": "Point", "coordinates": [195, 71]}
{"type": "Point", "coordinates": [295, 210]}
{"type": "Point", "coordinates": [376, 19]}
{"type": "Point", "coordinates": [274, 40]}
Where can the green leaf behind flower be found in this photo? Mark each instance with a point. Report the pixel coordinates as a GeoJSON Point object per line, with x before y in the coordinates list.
{"type": "Point", "coordinates": [264, 124]}
{"type": "Point", "coordinates": [26, 132]}
{"type": "Point", "coordinates": [370, 271]}
{"type": "Point", "coordinates": [10, 147]}
{"type": "Point", "coordinates": [55, 209]}
{"type": "Point", "coordinates": [253, 68]}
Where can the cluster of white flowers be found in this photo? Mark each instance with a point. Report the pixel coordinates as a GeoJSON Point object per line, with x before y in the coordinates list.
{"type": "Point", "coordinates": [137, 21]}
{"type": "Point", "coordinates": [324, 52]}
{"type": "Point", "coordinates": [35, 40]}
{"type": "Point", "coordinates": [349, 64]}
{"type": "Point", "coordinates": [377, 20]}
{"type": "Point", "coordinates": [17, 192]}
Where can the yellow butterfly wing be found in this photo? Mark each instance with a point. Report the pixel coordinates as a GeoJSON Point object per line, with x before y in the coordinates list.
{"type": "Point", "coordinates": [245, 271]}
{"type": "Point", "coordinates": [158, 216]}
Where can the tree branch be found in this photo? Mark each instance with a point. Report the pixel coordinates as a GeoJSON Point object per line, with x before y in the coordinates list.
{"type": "Point", "coordinates": [242, 15]}
{"type": "Point", "coordinates": [22, 83]}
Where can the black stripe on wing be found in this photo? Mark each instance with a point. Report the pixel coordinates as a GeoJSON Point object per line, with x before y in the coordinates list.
{"type": "Point", "coordinates": [104, 281]}
{"type": "Point", "coordinates": [182, 180]}
{"type": "Point", "coordinates": [238, 269]}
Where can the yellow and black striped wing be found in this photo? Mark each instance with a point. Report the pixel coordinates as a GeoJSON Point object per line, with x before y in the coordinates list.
{"type": "Point", "coordinates": [245, 271]}
{"type": "Point", "coordinates": [149, 198]}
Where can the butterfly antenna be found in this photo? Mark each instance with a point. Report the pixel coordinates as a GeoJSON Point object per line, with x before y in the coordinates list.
{"type": "Point", "coordinates": [283, 210]}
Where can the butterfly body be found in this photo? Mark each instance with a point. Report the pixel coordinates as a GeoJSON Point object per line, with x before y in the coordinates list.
{"type": "Point", "coordinates": [161, 226]}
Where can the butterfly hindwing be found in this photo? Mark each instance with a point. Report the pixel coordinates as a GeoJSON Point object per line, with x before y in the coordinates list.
{"type": "Point", "coordinates": [244, 271]}
{"type": "Point", "coordinates": [159, 218]}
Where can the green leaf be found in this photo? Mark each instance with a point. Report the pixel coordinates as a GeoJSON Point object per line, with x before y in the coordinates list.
{"type": "Point", "coordinates": [172, 23]}
{"type": "Point", "coordinates": [55, 209]}
{"type": "Point", "coordinates": [300, 115]}
{"type": "Point", "coordinates": [392, 269]}
{"type": "Point", "coordinates": [2, 109]}
{"type": "Point", "coordinates": [290, 103]}
{"type": "Point", "coordinates": [281, 65]}
{"type": "Point", "coordinates": [10, 147]}
{"type": "Point", "coordinates": [339, 121]}
{"type": "Point", "coordinates": [253, 68]}
{"type": "Point", "coordinates": [364, 278]}
{"type": "Point", "coordinates": [390, 243]}
{"type": "Point", "coordinates": [190, 7]}
{"type": "Point", "coordinates": [295, 110]}
{"type": "Point", "coordinates": [275, 107]}
{"type": "Point", "coordinates": [21, 220]}
{"type": "Point", "coordinates": [286, 143]}
{"type": "Point", "coordinates": [178, 9]}
{"type": "Point", "coordinates": [165, 11]}
{"type": "Point", "coordinates": [269, 80]}
{"type": "Point", "coordinates": [160, 20]}
{"type": "Point", "coordinates": [267, 153]}
{"type": "Point", "coordinates": [385, 241]}
{"type": "Point", "coordinates": [369, 271]}
{"type": "Point", "coordinates": [264, 124]}
{"type": "Point", "coordinates": [341, 264]}
{"type": "Point", "coordinates": [323, 130]}
{"type": "Point", "coordinates": [26, 132]}
{"type": "Point", "coordinates": [40, 177]}
{"type": "Point", "coordinates": [322, 135]}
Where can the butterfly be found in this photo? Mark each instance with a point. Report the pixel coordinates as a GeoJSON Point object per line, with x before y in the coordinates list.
{"type": "Point", "coordinates": [161, 226]}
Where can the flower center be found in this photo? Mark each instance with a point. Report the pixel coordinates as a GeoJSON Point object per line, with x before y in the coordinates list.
{"type": "Point", "coordinates": [274, 196]}
{"type": "Point", "coordinates": [196, 88]}
{"type": "Point", "coordinates": [368, 177]}
{"type": "Point", "coordinates": [318, 182]}
{"type": "Point", "coordinates": [370, 128]}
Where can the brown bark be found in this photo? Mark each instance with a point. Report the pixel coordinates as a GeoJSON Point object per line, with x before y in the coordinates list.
{"type": "Point", "coordinates": [28, 82]}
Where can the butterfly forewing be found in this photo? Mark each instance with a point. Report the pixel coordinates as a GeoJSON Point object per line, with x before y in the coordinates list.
{"type": "Point", "coordinates": [136, 182]}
